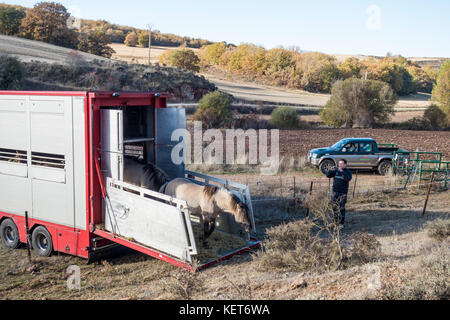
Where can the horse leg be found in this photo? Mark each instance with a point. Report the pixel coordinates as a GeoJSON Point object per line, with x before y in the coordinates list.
{"type": "Point", "coordinates": [205, 233]}
{"type": "Point", "coordinates": [208, 228]}
{"type": "Point", "coordinates": [212, 226]}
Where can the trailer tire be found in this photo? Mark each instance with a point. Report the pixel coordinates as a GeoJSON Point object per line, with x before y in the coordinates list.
{"type": "Point", "coordinates": [42, 241]}
{"type": "Point", "coordinates": [326, 165]}
{"type": "Point", "coordinates": [384, 167]}
{"type": "Point", "coordinates": [9, 234]}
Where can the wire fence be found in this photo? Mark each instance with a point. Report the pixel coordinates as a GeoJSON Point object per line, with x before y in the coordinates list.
{"type": "Point", "coordinates": [296, 188]}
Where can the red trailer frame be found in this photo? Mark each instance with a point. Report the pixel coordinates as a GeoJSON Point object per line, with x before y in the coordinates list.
{"type": "Point", "coordinates": [80, 242]}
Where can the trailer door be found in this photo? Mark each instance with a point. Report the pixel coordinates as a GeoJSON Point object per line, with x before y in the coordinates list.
{"type": "Point", "coordinates": [111, 145]}
{"type": "Point", "coordinates": [167, 121]}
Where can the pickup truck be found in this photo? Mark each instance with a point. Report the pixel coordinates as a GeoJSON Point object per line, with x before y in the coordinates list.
{"type": "Point", "coordinates": [360, 153]}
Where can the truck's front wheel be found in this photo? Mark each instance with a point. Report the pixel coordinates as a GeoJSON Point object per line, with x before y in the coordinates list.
{"type": "Point", "coordinates": [326, 165]}
{"type": "Point", "coordinates": [384, 167]}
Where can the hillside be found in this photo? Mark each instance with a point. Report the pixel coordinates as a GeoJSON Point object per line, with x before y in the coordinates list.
{"type": "Point", "coordinates": [28, 50]}
{"type": "Point", "coordinates": [49, 67]}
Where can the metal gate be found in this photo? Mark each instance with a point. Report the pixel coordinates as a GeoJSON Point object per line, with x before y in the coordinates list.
{"type": "Point", "coordinates": [149, 218]}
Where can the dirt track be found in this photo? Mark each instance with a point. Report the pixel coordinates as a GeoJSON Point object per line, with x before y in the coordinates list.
{"type": "Point", "coordinates": [251, 91]}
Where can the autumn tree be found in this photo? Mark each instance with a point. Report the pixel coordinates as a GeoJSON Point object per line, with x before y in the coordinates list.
{"type": "Point", "coordinates": [390, 71]}
{"type": "Point", "coordinates": [350, 68]}
{"type": "Point", "coordinates": [10, 20]}
{"type": "Point", "coordinates": [441, 92]}
{"type": "Point", "coordinates": [214, 51]}
{"type": "Point", "coordinates": [143, 39]}
{"type": "Point", "coordinates": [116, 36]}
{"type": "Point", "coordinates": [47, 22]}
{"type": "Point", "coordinates": [318, 71]}
{"type": "Point", "coordinates": [131, 40]}
{"type": "Point", "coordinates": [97, 43]}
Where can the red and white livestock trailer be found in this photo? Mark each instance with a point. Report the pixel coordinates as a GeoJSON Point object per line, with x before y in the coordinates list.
{"type": "Point", "coordinates": [62, 161]}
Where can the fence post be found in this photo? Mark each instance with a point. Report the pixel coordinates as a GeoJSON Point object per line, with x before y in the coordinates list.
{"type": "Point", "coordinates": [354, 186]}
{"type": "Point", "coordinates": [428, 194]}
{"type": "Point", "coordinates": [28, 236]}
{"type": "Point", "coordinates": [294, 189]}
{"type": "Point", "coordinates": [446, 179]}
{"type": "Point", "coordinates": [310, 192]}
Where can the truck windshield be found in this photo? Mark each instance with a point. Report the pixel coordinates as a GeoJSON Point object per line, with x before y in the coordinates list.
{"type": "Point", "coordinates": [338, 145]}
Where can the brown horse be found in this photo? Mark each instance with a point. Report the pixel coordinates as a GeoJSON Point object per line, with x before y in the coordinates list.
{"type": "Point", "coordinates": [207, 202]}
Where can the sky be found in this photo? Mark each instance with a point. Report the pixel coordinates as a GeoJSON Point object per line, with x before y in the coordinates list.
{"type": "Point", "coordinates": [413, 28]}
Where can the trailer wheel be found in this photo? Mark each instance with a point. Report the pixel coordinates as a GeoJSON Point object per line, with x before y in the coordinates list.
{"type": "Point", "coordinates": [384, 167]}
{"type": "Point", "coordinates": [9, 234]}
{"type": "Point", "coordinates": [42, 241]}
{"type": "Point", "coordinates": [326, 165]}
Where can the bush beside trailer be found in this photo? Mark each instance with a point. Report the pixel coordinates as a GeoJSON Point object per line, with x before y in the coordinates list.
{"type": "Point", "coordinates": [62, 161]}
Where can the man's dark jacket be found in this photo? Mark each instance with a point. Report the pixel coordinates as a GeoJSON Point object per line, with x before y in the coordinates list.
{"type": "Point", "coordinates": [341, 179]}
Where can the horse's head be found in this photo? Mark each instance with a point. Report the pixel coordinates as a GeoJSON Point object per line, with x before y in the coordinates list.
{"type": "Point", "coordinates": [241, 213]}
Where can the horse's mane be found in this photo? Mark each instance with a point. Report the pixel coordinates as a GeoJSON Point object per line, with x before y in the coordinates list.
{"type": "Point", "coordinates": [209, 191]}
{"type": "Point", "coordinates": [153, 173]}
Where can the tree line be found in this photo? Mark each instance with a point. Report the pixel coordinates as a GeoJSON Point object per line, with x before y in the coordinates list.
{"type": "Point", "coordinates": [51, 22]}
{"type": "Point", "coordinates": [315, 71]}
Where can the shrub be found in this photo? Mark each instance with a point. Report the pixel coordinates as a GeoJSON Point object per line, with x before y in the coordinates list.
{"type": "Point", "coordinates": [131, 39]}
{"type": "Point", "coordinates": [214, 110]}
{"type": "Point", "coordinates": [441, 92]}
{"type": "Point", "coordinates": [364, 248]}
{"type": "Point", "coordinates": [438, 229]}
{"type": "Point", "coordinates": [186, 59]}
{"type": "Point", "coordinates": [11, 73]}
{"type": "Point", "coordinates": [434, 118]}
{"type": "Point", "coordinates": [292, 246]}
{"type": "Point", "coordinates": [284, 118]}
{"type": "Point", "coordinates": [358, 103]}
{"type": "Point", "coordinates": [315, 244]}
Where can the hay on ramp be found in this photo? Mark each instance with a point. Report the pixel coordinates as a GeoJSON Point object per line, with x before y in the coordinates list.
{"type": "Point", "coordinates": [219, 244]}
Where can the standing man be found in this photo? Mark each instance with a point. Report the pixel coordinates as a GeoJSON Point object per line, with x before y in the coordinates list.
{"type": "Point", "coordinates": [342, 177]}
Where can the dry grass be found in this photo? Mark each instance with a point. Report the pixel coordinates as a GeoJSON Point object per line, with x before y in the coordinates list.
{"type": "Point", "coordinates": [432, 282]}
{"type": "Point", "coordinates": [438, 229]}
{"type": "Point", "coordinates": [182, 284]}
{"type": "Point", "coordinates": [409, 259]}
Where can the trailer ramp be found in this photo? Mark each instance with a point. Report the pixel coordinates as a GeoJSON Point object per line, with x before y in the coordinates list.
{"type": "Point", "coordinates": [149, 218]}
